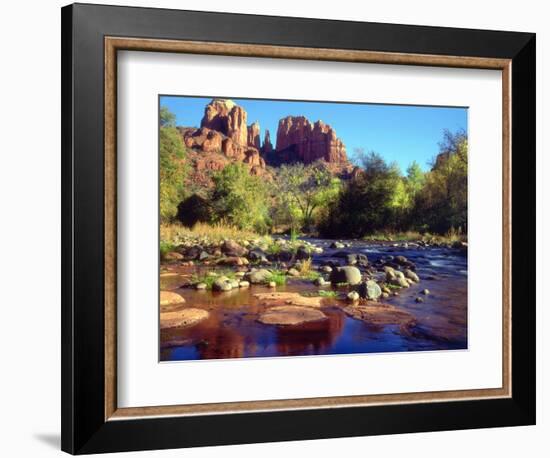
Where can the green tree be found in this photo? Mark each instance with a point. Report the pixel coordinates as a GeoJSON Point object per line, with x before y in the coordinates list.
{"type": "Point", "coordinates": [442, 203]}
{"type": "Point", "coordinates": [173, 168]}
{"type": "Point", "coordinates": [371, 201]}
{"type": "Point", "coordinates": [415, 178]}
{"type": "Point", "coordinates": [167, 118]}
{"type": "Point", "coordinates": [302, 190]}
{"type": "Point", "coordinates": [239, 198]}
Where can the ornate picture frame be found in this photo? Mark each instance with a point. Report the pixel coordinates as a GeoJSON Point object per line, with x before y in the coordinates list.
{"type": "Point", "coordinates": [92, 421]}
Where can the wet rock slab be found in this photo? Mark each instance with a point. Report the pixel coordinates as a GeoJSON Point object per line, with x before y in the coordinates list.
{"type": "Point", "coordinates": [380, 314]}
{"type": "Point", "coordinates": [288, 315]}
{"type": "Point", "coordinates": [170, 298]}
{"type": "Point", "coordinates": [182, 318]}
{"type": "Point", "coordinates": [278, 299]}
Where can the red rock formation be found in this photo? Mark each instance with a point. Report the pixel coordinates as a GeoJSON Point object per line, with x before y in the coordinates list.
{"type": "Point", "coordinates": [204, 139]}
{"type": "Point", "coordinates": [267, 146]}
{"type": "Point", "coordinates": [254, 135]}
{"type": "Point", "coordinates": [224, 116]}
{"type": "Point", "coordinates": [308, 141]}
{"type": "Point", "coordinates": [253, 158]}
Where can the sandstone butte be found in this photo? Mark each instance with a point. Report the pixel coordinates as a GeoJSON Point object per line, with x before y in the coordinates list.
{"type": "Point", "coordinates": [224, 137]}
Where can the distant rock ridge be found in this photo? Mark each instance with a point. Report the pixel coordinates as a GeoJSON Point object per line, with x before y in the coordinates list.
{"type": "Point", "coordinates": [224, 137]}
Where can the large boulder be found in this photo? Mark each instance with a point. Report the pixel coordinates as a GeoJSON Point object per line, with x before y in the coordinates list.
{"type": "Point", "coordinates": [346, 274]}
{"type": "Point", "coordinates": [233, 249]}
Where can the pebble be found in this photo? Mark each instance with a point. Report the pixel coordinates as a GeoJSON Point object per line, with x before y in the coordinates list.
{"type": "Point", "coordinates": [200, 286]}
{"type": "Point", "coordinates": [272, 284]}
{"type": "Point", "coordinates": [425, 292]}
{"type": "Point", "coordinates": [419, 299]}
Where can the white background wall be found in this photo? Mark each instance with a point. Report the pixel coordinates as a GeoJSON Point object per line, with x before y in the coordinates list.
{"type": "Point", "coordinates": [30, 226]}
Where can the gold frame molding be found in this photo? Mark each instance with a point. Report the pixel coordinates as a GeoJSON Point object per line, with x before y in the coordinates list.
{"type": "Point", "coordinates": [114, 44]}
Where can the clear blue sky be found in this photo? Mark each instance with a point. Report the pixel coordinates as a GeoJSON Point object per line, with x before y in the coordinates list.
{"type": "Point", "coordinates": [398, 133]}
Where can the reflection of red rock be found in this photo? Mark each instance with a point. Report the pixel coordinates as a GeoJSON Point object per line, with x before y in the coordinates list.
{"type": "Point", "coordinates": [310, 142]}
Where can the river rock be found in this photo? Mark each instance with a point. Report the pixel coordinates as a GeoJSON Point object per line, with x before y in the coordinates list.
{"type": "Point", "coordinates": [346, 274]}
{"type": "Point", "coordinates": [337, 245]}
{"type": "Point", "coordinates": [425, 292]}
{"type": "Point", "coordinates": [400, 281]}
{"type": "Point", "coordinates": [233, 261]}
{"type": "Point", "coordinates": [419, 299]}
{"type": "Point", "coordinates": [401, 260]}
{"type": "Point", "coordinates": [326, 269]}
{"type": "Point", "coordinates": [258, 276]}
{"type": "Point", "coordinates": [244, 284]}
{"type": "Point", "coordinates": [353, 296]}
{"type": "Point", "coordinates": [233, 249]}
{"type": "Point", "coordinates": [293, 272]}
{"type": "Point", "coordinates": [203, 256]}
{"type": "Point", "coordinates": [289, 315]}
{"type": "Point", "coordinates": [411, 275]}
{"type": "Point", "coordinates": [272, 284]}
{"type": "Point", "coordinates": [320, 281]}
{"type": "Point", "coordinates": [170, 298]}
{"type": "Point", "coordinates": [390, 273]}
{"type": "Point", "coordinates": [222, 284]}
{"type": "Point", "coordinates": [180, 318]}
{"type": "Point", "coordinates": [201, 286]}
{"type": "Point", "coordinates": [302, 253]}
{"type": "Point", "coordinates": [370, 290]}
{"type": "Point", "coordinates": [173, 256]}
{"type": "Point", "coordinates": [257, 255]}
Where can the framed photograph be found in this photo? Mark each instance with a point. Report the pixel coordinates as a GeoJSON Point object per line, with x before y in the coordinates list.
{"type": "Point", "coordinates": [283, 228]}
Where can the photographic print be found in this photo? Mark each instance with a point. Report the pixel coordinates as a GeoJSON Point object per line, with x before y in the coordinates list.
{"type": "Point", "coordinates": [297, 228]}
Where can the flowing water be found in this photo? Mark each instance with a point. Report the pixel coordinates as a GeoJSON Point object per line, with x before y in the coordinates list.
{"type": "Point", "coordinates": [232, 329]}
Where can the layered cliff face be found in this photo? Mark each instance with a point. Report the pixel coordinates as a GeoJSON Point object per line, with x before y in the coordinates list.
{"type": "Point", "coordinates": [224, 116]}
{"type": "Point", "coordinates": [308, 142]}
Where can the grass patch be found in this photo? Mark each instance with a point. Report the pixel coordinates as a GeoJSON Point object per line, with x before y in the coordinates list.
{"type": "Point", "coordinates": [176, 233]}
{"type": "Point", "coordinates": [278, 277]}
{"type": "Point", "coordinates": [274, 249]}
{"type": "Point", "coordinates": [306, 270]}
{"type": "Point", "coordinates": [327, 293]}
{"type": "Point", "coordinates": [320, 293]}
{"type": "Point", "coordinates": [165, 247]}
